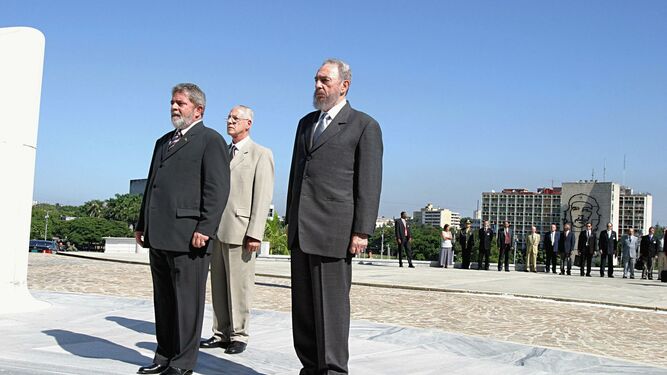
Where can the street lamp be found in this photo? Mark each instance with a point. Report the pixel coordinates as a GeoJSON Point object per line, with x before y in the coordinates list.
{"type": "Point", "coordinates": [46, 224]}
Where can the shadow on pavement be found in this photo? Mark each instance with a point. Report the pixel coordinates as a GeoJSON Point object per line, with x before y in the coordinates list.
{"type": "Point", "coordinates": [94, 347]}
{"type": "Point", "coordinates": [140, 326]}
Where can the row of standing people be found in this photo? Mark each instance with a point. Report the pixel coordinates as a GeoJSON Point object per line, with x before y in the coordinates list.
{"type": "Point", "coordinates": [559, 246]}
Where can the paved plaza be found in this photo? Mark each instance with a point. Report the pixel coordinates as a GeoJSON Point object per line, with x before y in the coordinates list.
{"type": "Point", "coordinates": [510, 322]}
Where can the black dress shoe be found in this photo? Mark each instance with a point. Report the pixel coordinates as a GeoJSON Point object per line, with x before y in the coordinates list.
{"type": "Point", "coordinates": [411, 266]}
{"type": "Point", "coordinates": [176, 371]}
{"type": "Point", "coordinates": [153, 368]}
{"type": "Point", "coordinates": [612, 276]}
{"type": "Point", "coordinates": [214, 342]}
{"type": "Point", "coordinates": [236, 347]}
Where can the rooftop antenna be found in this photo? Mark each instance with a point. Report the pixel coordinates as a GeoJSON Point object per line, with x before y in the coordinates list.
{"type": "Point", "coordinates": [604, 170]}
{"type": "Point", "coordinates": [593, 175]}
{"type": "Point", "coordinates": [623, 169]}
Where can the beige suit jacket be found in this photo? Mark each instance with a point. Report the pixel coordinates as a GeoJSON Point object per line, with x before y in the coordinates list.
{"type": "Point", "coordinates": [533, 242]}
{"type": "Point", "coordinates": [250, 194]}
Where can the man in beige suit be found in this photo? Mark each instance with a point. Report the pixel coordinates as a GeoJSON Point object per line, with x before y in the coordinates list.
{"type": "Point", "coordinates": [239, 235]}
{"type": "Point", "coordinates": [532, 245]}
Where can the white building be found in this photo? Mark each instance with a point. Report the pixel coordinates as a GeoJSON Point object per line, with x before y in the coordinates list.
{"type": "Point", "coordinates": [384, 221]}
{"type": "Point", "coordinates": [635, 211]}
{"type": "Point", "coordinates": [437, 217]}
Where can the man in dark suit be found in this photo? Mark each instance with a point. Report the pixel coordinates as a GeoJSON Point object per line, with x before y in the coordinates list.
{"type": "Point", "coordinates": [403, 239]}
{"type": "Point", "coordinates": [332, 204]}
{"type": "Point", "coordinates": [186, 193]}
{"type": "Point", "coordinates": [505, 238]}
{"type": "Point", "coordinates": [587, 247]}
{"type": "Point", "coordinates": [551, 245]}
{"type": "Point", "coordinates": [485, 238]}
{"type": "Point", "coordinates": [565, 247]}
{"type": "Point", "coordinates": [467, 241]}
{"type": "Point", "coordinates": [607, 244]}
{"type": "Point", "coordinates": [648, 249]}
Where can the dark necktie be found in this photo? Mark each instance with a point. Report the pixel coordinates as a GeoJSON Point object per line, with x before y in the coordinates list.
{"type": "Point", "coordinates": [232, 151]}
{"type": "Point", "coordinates": [174, 139]}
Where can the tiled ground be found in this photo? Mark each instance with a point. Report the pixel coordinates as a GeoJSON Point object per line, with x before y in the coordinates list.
{"type": "Point", "coordinates": [620, 333]}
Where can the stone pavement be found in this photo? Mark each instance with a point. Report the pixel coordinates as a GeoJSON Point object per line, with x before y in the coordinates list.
{"type": "Point", "coordinates": [623, 333]}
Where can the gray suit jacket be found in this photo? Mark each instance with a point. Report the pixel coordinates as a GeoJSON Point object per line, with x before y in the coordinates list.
{"type": "Point", "coordinates": [250, 194]}
{"type": "Point", "coordinates": [334, 186]}
{"type": "Point", "coordinates": [630, 246]}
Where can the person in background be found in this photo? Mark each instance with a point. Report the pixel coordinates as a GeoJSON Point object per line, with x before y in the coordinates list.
{"type": "Point", "coordinates": [403, 239]}
{"type": "Point", "coordinates": [607, 244]}
{"type": "Point", "coordinates": [485, 238]}
{"type": "Point", "coordinates": [586, 246]}
{"type": "Point", "coordinates": [532, 247]}
{"type": "Point", "coordinates": [505, 237]}
{"type": "Point", "coordinates": [629, 247]}
{"type": "Point", "coordinates": [445, 247]}
{"type": "Point", "coordinates": [662, 255]}
{"type": "Point", "coordinates": [649, 249]}
{"type": "Point", "coordinates": [551, 243]}
{"type": "Point", "coordinates": [566, 245]}
{"type": "Point", "coordinates": [467, 241]}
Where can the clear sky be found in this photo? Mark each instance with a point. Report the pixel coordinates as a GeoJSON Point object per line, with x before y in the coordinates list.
{"type": "Point", "coordinates": [472, 96]}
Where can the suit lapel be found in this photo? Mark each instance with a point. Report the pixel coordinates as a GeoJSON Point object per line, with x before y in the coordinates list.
{"type": "Point", "coordinates": [334, 127]}
{"type": "Point", "coordinates": [185, 140]}
{"type": "Point", "coordinates": [241, 155]}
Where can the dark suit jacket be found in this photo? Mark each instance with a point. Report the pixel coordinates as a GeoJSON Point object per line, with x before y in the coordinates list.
{"type": "Point", "coordinates": [604, 239]}
{"type": "Point", "coordinates": [466, 241]}
{"type": "Point", "coordinates": [399, 230]}
{"type": "Point", "coordinates": [501, 237]}
{"type": "Point", "coordinates": [581, 245]}
{"type": "Point", "coordinates": [566, 243]}
{"type": "Point", "coordinates": [186, 191]}
{"type": "Point", "coordinates": [485, 238]}
{"type": "Point", "coordinates": [649, 247]}
{"type": "Point", "coordinates": [334, 186]}
{"type": "Point", "coordinates": [553, 247]}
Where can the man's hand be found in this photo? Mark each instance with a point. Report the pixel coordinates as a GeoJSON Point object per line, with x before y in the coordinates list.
{"type": "Point", "coordinates": [199, 240]}
{"type": "Point", "coordinates": [398, 241]}
{"type": "Point", "coordinates": [358, 243]}
{"type": "Point", "coordinates": [137, 237]}
{"type": "Point", "coordinates": [252, 244]}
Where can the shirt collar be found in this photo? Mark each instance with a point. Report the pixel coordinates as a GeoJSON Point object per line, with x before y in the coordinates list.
{"type": "Point", "coordinates": [242, 143]}
{"type": "Point", "coordinates": [333, 112]}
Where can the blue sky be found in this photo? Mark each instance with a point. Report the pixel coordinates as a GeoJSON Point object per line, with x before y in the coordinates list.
{"type": "Point", "coordinates": [472, 96]}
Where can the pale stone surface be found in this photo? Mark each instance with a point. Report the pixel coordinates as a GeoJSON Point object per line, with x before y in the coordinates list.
{"type": "Point", "coordinates": [574, 327]}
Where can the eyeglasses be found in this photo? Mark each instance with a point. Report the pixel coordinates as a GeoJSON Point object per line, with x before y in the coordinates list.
{"type": "Point", "coordinates": [235, 119]}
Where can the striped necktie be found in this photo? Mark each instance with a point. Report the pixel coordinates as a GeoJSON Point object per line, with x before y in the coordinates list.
{"type": "Point", "coordinates": [174, 139]}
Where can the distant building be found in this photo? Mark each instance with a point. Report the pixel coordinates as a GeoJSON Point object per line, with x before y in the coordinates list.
{"type": "Point", "coordinates": [384, 221]}
{"type": "Point", "coordinates": [522, 208]}
{"type": "Point", "coordinates": [137, 187]}
{"type": "Point", "coordinates": [575, 203]}
{"type": "Point", "coordinates": [635, 211]}
{"type": "Point", "coordinates": [437, 217]}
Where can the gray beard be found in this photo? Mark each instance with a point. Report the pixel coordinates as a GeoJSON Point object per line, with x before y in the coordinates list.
{"type": "Point", "coordinates": [326, 104]}
{"type": "Point", "coordinates": [181, 123]}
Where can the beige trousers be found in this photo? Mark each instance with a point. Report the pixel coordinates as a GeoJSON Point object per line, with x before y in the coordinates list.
{"type": "Point", "coordinates": [531, 259]}
{"type": "Point", "coordinates": [232, 287]}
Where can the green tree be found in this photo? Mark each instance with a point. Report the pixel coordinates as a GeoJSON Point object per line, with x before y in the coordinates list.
{"type": "Point", "coordinates": [90, 230]}
{"type": "Point", "coordinates": [375, 241]}
{"type": "Point", "coordinates": [94, 208]}
{"type": "Point", "coordinates": [425, 242]}
{"type": "Point", "coordinates": [275, 233]}
{"type": "Point", "coordinates": [123, 208]}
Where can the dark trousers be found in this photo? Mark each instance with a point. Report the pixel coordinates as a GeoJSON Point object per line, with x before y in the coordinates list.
{"type": "Point", "coordinates": [465, 261]}
{"type": "Point", "coordinates": [565, 261]}
{"type": "Point", "coordinates": [483, 253]}
{"type": "Point", "coordinates": [179, 291]}
{"type": "Point", "coordinates": [504, 253]}
{"type": "Point", "coordinates": [550, 261]}
{"type": "Point", "coordinates": [608, 260]}
{"type": "Point", "coordinates": [587, 260]}
{"type": "Point", "coordinates": [321, 312]}
{"type": "Point", "coordinates": [647, 271]}
{"type": "Point", "coordinates": [404, 246]}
